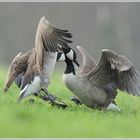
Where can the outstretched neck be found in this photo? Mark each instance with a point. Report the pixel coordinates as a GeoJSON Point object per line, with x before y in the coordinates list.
{"type": "Point", "coordinates": [69, 67]}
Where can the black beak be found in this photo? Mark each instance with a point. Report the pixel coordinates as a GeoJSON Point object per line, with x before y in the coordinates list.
{"type": "Point", "coordinates": [76, 62]}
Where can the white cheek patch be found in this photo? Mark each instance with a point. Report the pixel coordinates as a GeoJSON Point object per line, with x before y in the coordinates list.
{"type": "Point", "coordinates": [70, 55]}
{"type": "Point", "coordinates": [62, 58]}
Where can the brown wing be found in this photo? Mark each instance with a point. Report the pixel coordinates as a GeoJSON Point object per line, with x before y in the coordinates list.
{"type": "Point", "coordinates": [88, 62]}
{"type": "Point", "coordinates": [114, 72]}
{"type": "Point", "coordinates": [50, 39]}
{"type": "Point", "coordinates": [31, 70]}
{"type": "Point", "coordinates": [18, 65]}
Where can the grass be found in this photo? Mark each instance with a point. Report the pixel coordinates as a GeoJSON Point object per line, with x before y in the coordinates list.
{"type": "Point", "coordinates": [42, 120]}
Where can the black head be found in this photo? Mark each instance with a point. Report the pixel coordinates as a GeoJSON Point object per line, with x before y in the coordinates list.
{"type": "Point", "coordinates": [67, 54]}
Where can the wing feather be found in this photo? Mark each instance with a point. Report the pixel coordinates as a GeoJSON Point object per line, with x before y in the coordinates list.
{"type": "Point", "coordinates": [50, 39]}
{"type": "Point", "coordinates": [115, 71]}
{"type": "Point", "coordinates": [88, 62]}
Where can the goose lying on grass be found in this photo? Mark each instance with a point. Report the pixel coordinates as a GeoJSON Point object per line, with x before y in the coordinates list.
{"type": "Point", "coordinates": [95, 85]}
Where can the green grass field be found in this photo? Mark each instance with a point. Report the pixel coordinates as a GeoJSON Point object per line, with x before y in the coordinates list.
{"type": "Point", "coordinates": [43, 120]}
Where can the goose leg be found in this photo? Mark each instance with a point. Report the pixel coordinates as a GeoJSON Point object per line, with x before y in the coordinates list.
{"type": "Point", "coordinates": [76, 100]}
{"type": "Point", "coordinates": [38, 95]}
{"type": "Point", "coordinates": [54, 100]}
{"type": "Point", "coordinates": [43, 97]}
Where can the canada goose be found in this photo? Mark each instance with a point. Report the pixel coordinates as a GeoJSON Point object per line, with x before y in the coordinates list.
{"type": "Point", "coordinates": [17, 70]}
{"type": "Point", "coordinates": [96, 85]}
{"type": "Point", "coordinates": [41, 61]}
{"type": "Point", "coordinates": [16, 73]}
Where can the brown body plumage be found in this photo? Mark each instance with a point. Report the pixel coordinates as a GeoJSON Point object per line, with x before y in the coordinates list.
{"type": "Point", "coordinates": [18, 66]}
{"type": "Point", "coordinates": [37, 65]}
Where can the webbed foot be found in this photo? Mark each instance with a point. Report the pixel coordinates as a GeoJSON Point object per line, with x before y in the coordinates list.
{"type": "Point", "coordinates": [53, 100]}
{"type": "Point", "coordinates": [76, 100]}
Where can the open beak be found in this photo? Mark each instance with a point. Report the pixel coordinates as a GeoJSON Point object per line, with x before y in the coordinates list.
{"type": "Point", "coordinates": [76, 62]}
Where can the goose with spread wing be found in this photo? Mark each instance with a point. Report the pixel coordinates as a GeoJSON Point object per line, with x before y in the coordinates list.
{"type": "Point", "coordinates": [41, 60]}
{"type": "Point", "coordinates": [16, 72]}
{"type": "Point", "coordinates": [95, 85]}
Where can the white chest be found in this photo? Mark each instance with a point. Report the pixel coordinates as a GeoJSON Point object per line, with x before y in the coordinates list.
{"type": "Point", "coordinates": [87, 93]}
{"type": "Point", "coordinates": [48, 64]}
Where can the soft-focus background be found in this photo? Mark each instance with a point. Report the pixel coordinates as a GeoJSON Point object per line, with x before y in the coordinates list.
{"type": "Point", "coordinates": [94, 26]}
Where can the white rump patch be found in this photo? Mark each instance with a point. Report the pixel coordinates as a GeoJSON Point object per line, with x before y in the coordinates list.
{"type": "Point", "coordinates": [112, 106]}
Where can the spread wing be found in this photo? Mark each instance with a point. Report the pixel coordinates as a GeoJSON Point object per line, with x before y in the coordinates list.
{"type": "Point", "coordinates": [114, 72]}
{"type": "Point", "coordinates": [17, 66]}
{"type": "Point", "coordinates": [50, 39]}
{"type": "Point", "coordinates": [88, 62]}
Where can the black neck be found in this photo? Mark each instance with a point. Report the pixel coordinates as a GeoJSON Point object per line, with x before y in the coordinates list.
{"type": "Point", "coordinates": [69, 67]}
